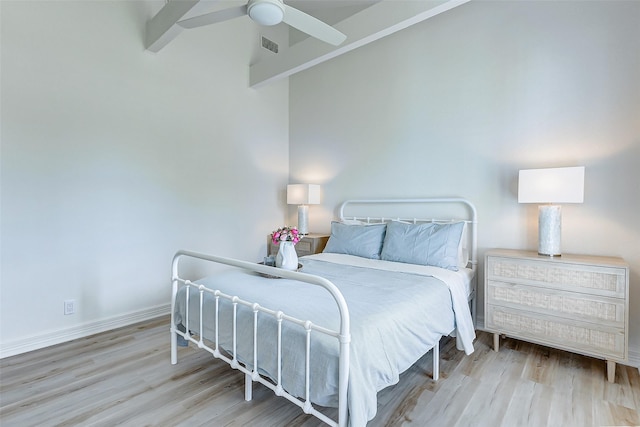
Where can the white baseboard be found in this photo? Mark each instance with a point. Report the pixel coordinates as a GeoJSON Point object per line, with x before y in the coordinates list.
{"type": "Point", "coordinates": [52, 338]}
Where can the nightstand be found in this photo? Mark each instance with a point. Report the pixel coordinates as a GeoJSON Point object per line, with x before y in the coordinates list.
{"type": "Point", "coordinates": [573, 302]}
{"type": "Point", "coordinates": [310, 244]}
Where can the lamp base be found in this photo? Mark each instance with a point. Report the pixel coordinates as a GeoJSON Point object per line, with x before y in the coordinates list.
{"type": "Point", "coordinates": [549, 230]}
{"type": "Point", "coordinates": [303, 219]}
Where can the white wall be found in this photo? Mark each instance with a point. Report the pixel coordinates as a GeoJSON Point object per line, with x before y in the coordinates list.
{"type": "Point", "coordinates": [113, 158]}
{"type": "Point", "coordinates": [458, 104]}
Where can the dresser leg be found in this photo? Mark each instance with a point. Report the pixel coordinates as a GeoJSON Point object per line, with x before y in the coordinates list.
{"type": "Point", "coordinates": [611, 371]}
{"type": "Point", "coordinates": [496, 342]}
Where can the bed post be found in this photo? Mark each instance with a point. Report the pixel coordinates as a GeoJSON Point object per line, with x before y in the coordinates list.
{"type": "Point", "coordinates": [248, 387]}
{"type": "Point", "coordinates": [436, 361]}
{"type": "Point", "coordinates": [343, 377]}
{"type": "Point", "coordinates": [174, 292]}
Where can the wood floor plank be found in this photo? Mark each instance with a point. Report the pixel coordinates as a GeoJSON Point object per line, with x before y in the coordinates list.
{"type": "Point", "coordinates": [518, 408]}
{"type": "Point", "coordinates": [124, 377]}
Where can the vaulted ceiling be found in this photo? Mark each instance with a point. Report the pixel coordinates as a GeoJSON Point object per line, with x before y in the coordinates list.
{"type": "Point", "coordinates": [362, 21]}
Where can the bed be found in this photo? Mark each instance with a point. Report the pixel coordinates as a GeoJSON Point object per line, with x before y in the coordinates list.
{"type": "Point", "coordinates": [383, 293]}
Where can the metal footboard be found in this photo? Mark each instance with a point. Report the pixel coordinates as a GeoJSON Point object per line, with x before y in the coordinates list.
{"type": "Point", "coordinates": [251, 375]}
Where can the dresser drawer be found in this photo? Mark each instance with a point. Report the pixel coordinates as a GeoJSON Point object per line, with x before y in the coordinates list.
{"type": "Point", "coordinates": [589, 279]}
{"type": "Point", "coordinates": [581, 337]}
{"type": "Point", "coordinates": [304, 248]}
{"type": "Point", "coordinates": [559, 303]}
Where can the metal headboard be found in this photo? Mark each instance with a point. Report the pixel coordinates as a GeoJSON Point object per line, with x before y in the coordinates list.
{"type": "Point", "coordinates": [471, 218]}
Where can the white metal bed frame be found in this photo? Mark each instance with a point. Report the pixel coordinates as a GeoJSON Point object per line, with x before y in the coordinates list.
{"type": "Point", "coordinates": [342, 335]}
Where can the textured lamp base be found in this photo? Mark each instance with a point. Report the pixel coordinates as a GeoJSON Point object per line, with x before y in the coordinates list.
{"type": "Point", "coordinates": [303, 219]}
{"type": "Point", "coordinates": [549, 230]}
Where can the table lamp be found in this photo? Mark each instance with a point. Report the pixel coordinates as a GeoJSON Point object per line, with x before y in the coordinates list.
{"type": "Point", "coordinates": [303, 195]}
{"type": "Point", "coordinates": [551, 186]}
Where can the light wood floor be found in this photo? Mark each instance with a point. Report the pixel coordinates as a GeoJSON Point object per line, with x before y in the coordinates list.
{"type": "Point", "coordinates": [124, 377]}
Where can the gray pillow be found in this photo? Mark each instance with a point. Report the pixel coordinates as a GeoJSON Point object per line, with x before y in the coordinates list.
{"type": "Point", "coordinates": [423, 244]}
{"type": "Point", "coordinates": [360, 240]}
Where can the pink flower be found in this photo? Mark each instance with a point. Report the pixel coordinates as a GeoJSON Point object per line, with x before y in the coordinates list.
{"type": "Point", "coordinates": [285, 234]}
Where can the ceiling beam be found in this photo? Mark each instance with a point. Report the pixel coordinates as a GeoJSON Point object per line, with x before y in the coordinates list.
{"type": "Point", "coordinates": [163, 27]}
{"type": "Point", "coordinates": [371, 24]}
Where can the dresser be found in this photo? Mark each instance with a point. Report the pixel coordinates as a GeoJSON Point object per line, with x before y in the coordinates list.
{"type": "Point", "coordinates": [310, 244]}
{"type": "Point", "coordinates": [573, 302]}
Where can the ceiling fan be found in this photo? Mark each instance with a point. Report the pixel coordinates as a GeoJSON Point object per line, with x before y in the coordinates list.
{"type": "Point", "coordinates": [271, 12]}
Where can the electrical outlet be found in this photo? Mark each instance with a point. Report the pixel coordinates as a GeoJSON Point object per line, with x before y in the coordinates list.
{"type": "Point", "coordinates": [69, 306]}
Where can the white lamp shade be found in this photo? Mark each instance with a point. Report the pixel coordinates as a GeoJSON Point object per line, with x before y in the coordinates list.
{"type": "Point", "coordinates": [303, 194]}
{"type": "Point", "coordinates": [553, 185]}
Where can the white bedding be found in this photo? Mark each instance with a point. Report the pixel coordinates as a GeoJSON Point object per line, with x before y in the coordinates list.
{"type": "Point", "coordinates": [398, 313]}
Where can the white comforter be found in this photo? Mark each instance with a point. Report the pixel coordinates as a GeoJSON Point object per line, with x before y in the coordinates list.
{"type": "Point", "coordinates": [398, 313]}
{"type": "Point", "coordinates": [459, 283]}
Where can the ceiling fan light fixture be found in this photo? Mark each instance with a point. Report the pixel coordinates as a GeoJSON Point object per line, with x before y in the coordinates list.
{"type": "Point", "coordinates": [266, 12]}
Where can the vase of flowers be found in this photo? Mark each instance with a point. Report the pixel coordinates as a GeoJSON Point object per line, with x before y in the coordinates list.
{"type": "Point", "coordinates": [286, 238]}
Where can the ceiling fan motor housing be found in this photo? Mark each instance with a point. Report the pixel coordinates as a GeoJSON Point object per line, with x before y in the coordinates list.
{"type": "Point", "coordinates": [266, 12]}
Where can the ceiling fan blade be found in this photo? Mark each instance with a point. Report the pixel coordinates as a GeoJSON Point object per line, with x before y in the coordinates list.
{"type": "Point", "coordinates": [214, 17]}
{"type": "Point", "coordinates": [312, 26]}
